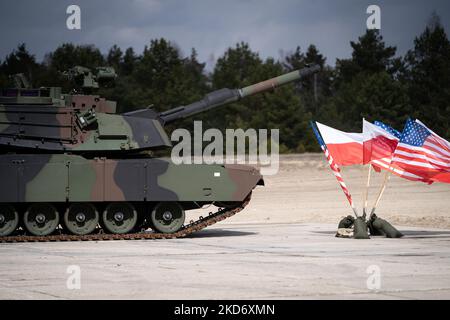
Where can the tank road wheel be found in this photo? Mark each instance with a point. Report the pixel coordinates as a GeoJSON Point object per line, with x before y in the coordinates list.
{"type": "Point", "coordinates": [119, 218]}
{"type": "Point", "coordinates": [41, 219]}
{"type": "Point", "coordinates": [167, 217]}
{"type": "Point", "coordinates": [9, 220]}
{"type": "Point", "coordinates": [81, 218]}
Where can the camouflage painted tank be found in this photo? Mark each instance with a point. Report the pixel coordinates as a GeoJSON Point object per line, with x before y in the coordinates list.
{"type": "Point", "coordinates": [71, 168]}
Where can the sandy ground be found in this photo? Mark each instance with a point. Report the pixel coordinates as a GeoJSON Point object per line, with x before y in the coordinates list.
{"type": "Point", "coordinates": [282, 246]}
{"type": "Point", "coordinates": [305, 190]}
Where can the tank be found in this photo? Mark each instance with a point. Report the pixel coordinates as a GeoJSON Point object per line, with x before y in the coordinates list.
{"type": "Point", "coordinates": [71, 168]}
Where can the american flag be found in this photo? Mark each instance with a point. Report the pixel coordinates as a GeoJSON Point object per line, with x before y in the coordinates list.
{"type": "Point", "coordinates": [388, 129]}
{"type": "Point", "coordinates": [382, 159]}
{"type": "Point", "coordinates": [333, 166]}
{"type": "Point", "coordinates": [423, 153]}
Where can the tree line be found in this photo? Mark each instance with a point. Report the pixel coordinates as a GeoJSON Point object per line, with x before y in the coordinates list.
{"type": "Point", "coordinates": [373, 83]}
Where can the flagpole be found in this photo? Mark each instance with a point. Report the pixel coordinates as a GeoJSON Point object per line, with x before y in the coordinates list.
{"type": "Point", "coordinates": [366, 193]}
{"type": "Point", "coordinates": [387, 176]}
{"type": "Point", "coordinates": [334, 168]}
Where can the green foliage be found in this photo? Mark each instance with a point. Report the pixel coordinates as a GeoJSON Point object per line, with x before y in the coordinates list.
{"type": "Point", "coordinates": [370, 55]}
{"type": "Point", "coordinates": [427, 78]}
{"type": "Point", "coordinates": [374, 83]}
{"type": "Point", "coordinates": [281, 109]}
{"type": "Point", "coordinates": [19, 61]}
{"type": "Point", "coordinates": [374, 96]}
{"type": "Point", "coordinates": [69, 55]}
{"type": "Point", "coordinates": [129, 62]}
{"type": "Point", "coordinates": [65, 57]}
{"type": "Point", "coordinates": [366, 85]}
{"type": "Point", "coordinates": [115, 58]}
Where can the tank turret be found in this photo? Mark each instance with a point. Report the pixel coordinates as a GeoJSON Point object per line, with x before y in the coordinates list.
{"type": "Point", "coordinates": [44, 119]}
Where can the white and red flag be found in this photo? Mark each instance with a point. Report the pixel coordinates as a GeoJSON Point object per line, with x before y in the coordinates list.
{"type": "Point", "coordinates": [346, 148]}
{"type": "Point", "coordinates": [378, 146]}
{"type": "Point", "coordinates": [333, 164]}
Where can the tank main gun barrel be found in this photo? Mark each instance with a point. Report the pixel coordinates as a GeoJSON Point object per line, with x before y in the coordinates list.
{"type": "Point", "coordinates": [224, 96]}
{"type": "Point", "coordinates": [277, 81]}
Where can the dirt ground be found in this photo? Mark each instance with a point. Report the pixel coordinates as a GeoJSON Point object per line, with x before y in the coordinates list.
{"type": "Point", "coordinates": [306, 191]}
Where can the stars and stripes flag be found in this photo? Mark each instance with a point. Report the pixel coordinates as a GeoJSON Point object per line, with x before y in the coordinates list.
{"type": "Point", "coordinates": [333, 166]}
{"type": "Point", "coordinates": [423, 153]}
{"type": "Point", "coordinates": [388, 129]}
{"type": "Point", "coordinates": [380, 144]}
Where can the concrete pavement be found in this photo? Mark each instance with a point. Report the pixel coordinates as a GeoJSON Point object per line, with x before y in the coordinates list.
{"type": "Point", "coordinates": [235, 261]}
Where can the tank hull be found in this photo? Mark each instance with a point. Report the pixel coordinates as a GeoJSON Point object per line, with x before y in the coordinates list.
{"type": "Point", "coordinates": [58, 184]}
{"type": "Point", "coordinates": [71, 178]}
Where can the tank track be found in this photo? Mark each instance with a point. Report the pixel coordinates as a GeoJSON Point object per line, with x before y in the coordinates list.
{"type": "Point", "coordinates": [186, 230]}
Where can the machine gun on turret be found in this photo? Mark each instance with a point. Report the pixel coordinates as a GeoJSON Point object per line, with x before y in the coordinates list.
{"type": "Point", "coordinates": [87, 80]}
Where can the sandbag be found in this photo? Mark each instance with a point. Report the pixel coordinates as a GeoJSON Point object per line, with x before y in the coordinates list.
{"type": "Point", "coordinates": [388, 229]}
{"type": "Point", "coordinates": [374, 231]}
{"type": "Point", "coordinates": [360, 229]}
{"type": "Point", "coordinates": [346, 222]}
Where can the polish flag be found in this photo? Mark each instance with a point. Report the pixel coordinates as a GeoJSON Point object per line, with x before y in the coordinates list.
{"type": "Point", "coordinates": [379, 145]}
{"type": "Point", "coordinates": [346, 148]}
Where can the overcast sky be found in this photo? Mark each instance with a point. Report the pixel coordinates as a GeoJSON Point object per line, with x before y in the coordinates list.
{"type": "Point", "coordinates": [211, 26]}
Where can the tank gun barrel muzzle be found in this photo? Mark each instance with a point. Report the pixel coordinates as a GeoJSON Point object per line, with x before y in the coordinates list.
{"type": "Point", "coordinates": [278, 81]}
{"type": "Point", "coordinates": [224, 96]}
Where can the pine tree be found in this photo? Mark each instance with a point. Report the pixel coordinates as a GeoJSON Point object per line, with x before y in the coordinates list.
{"type": "Point", "coordinates": [370, 55]}
{"type": "Point", "coordinates": [427, 76]}
{"type": "Point", "coordinates": [19, 61]}
{"type": "Point", "coordinates": [279, 109]}
{"type": "Point", "coordinates": [236, 67]}
{"type": "Point", "coordinates": [366, 85]}
{"type": "Point", "coordinates": [313, 91]}
{"type": "Point", "coordinates": [295, 60]}
{"type": "Point", "coordinates": [129, 62]}
{"type": "Point", "coordinates": [114, 58]}
{"type": "Point", "coordinates": [69, 55]}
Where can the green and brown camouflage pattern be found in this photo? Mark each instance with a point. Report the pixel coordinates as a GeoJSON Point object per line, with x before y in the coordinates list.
{"type": "Point", "coordinates": [59, 128]}
{"type": "Point", "coordinates": [61, 178]}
